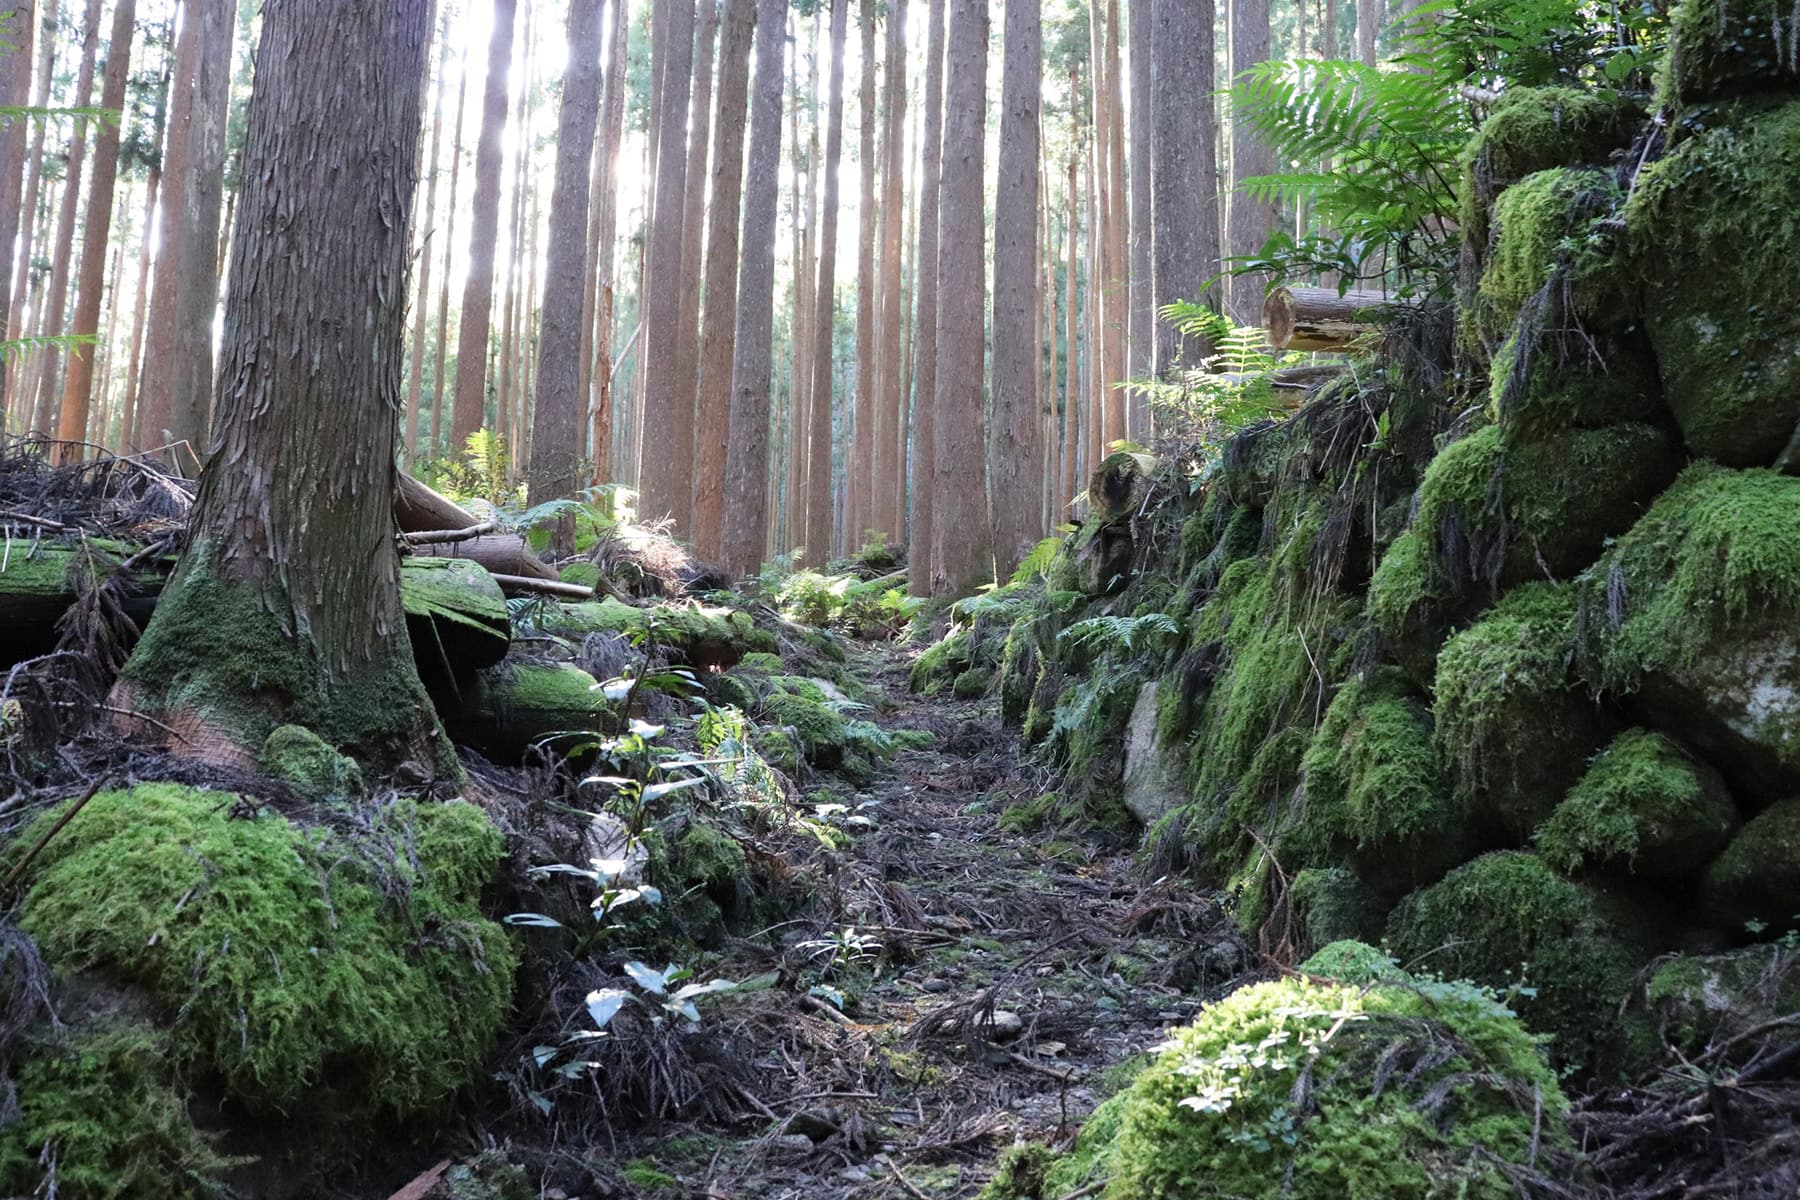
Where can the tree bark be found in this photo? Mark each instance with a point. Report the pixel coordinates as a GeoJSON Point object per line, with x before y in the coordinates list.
{"type": "Point", "coordinates": [747, 460]}
{"type": "Point", "coordinates": [441, 391]}
{"type": "Point", "coordinates": [964, 548]}
{"type": "Point", "coordinates": [1368, 22]}
{"type": "Point", "coordinates": [286, 606]}
{"type": "Point", "coordinates": [922, 530]}
{"type": "Point", "coordinates": [141, 295]}
{"type": "Point", "coordinates": [1252, 220]}
{"type": "Point", "coordinates": [18, 25]}
{"type": "Point", "coordinates": [415, 379]}
{"type": "Point", "coordinates": [890, 446]}
{"type": "Point", "coordinates": [1014, 449]}
{"type": "Point", "coordinates": [606, 207]}
{"type": "Point", "coordinates": [17, 392]}
{"type": "Point", "coordinates": [805, 286]}
{"type": "Point", "coordinates": [470, 404]}
{"type": "Point", "coordinates": [1185, 175]}
{"type": "Point", "coordinates": [693, 243]}
{"type": "Point", "coordinates": [1141, 353]}
{"type": "Point", "coordinates": [1305, 318]}
{"type": "Point", "coordinates": [1118, 224]}
{"type": "Point", "coordinates": [817, 480]}
{"type": "Point", "coordinates": [860, 519]}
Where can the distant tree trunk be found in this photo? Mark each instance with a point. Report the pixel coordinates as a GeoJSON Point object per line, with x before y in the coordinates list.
{"type": "Point", "coordinates": [1072, 389]}
{"type": "Point", "coordinates": [1368, 22]}
{"type": "Point", "coordinates": [746, 482]}
{"type": "Point", "coordinates": [18, 24]}
{"type": "Point", "coordinates": [96, 230]}
{"type": "Point", "coordinates": [508, 350]}
{"type": "Point", "coordinates": [1186, 173]}
{"type": "Point", "coordinates": [718, 331]}
{"type": "Point", "coordinates": [1141, 354]}
{"type": "Point", "coordinates": [862, 469]}
{"type": "Point", "coordinates": [286, 605]}
{"type": "Point", "coordinates": [17, 396]}
{"type": "Point", "coordinates": [484, 230]}
{"type": "Point", "coordinates": [667, 429]}
{"type": "Point", "coordinates": [964, 550]}
{"type": "Point", "coordinates": [1252, 221]}
{"type": "Point", "coordinates": [141, 294]}
{"type": "Point", "coordinates": [693, 246]}
{"type": "Point", "coordinates": [805, 289]}
{"type": "Point", "coordinates": [1116, 207]}
{"type": "Point", "coordinates": [889, 468]}
{"type": "Point", "coordinates": [922, 530]}
{"type": "Point", "coordinates": [1331, 29]}
{"type": "Point", "coordinates": [601, 238]}
{"type": "Point", "coordinates": [415, 380]}
{"type": "Point", "coordinates": [440, 389]}
{"type": "Point", "coordinates": [1014, 450]}
{"type": "Point", "coordinates": [817, 480]}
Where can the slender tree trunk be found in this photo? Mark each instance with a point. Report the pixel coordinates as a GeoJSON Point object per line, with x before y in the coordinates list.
{"type": "Point", "coordinates": [440, 388]}
{"type": "Point", "coordinates": [964, 550]}
{"type": "Point", "coordinates": [1095, 441]}
{"type": "Point", "coordinates": [693, 247]}
{"type": "Point", "coordinates": [484, 231]}
{"type": "Point", "coordinates": [90, 290]}
{"type": "Point", "coordinates": [1368, 23]}
{"type": "Point", "coordinates": [1072, 391]}
{"type": "Point", "coordinates": [415, 380]}
{"type": "Point", "coordinates": [889, 482]}
{"type": "Point", "coordinates": [101, 416]}
{"type": "Point", "coordinates": [922, 532]}
{"type": "Point", "coordinates": [18, 25]}
{"type": "Point", "coordinates": [860, 520]}
{"type": "Point", "coordinates": [141, 294]}
{"type": "Point", "coordinates": [1014, 448]}
{"type": "Point", "coordinates": [817, 480]}
{"type": "Point", "coordinates": [747, 461]}
{"type": "Point", "coordinates": [286, 605]}
{"type": "Point", "coordinates": [1186, 171]}
{"type": "Point", "coordinates": [602, 238]}
{"type": "Point", "coordinates": [1252, 221]}
{"type": "Point", "coordinates": [1331, 29]}
{"type": "Point", "coordinates": [1141, 353]}
{"type": "Point", "coordinates": [1118, 221]}
{"type": "Point", "coordinates": [805, 294]}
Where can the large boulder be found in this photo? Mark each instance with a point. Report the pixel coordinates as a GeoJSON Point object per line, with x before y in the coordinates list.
{"type": "Point", "coordinates": [1755, 883]}
{"type": "Point", "coordinates": [1155, 780]}
{"type": "Point", "coordinates": [1724, 48]}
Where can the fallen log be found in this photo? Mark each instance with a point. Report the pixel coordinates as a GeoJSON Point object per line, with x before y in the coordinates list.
{"type": "Point", "coordinates": [513, 584]}
{"type": "Point", "coordinates": [500, 553]}
{"type": "Point", "coordinates": [419, 509]}
{"type": "Point", "coordinates": [1306, 318]}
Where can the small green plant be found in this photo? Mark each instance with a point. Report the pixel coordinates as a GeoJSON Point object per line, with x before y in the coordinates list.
{"type": "Point", "coordinates": [1204, 403]}
{"type": "Point", "coordinates": [1126, 633]}
{"type": "Point", "coordinates": [842, 950]}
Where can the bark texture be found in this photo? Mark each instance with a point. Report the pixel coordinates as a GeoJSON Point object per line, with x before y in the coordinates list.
{"type": "Point", "coordinates": [1184, 204]}
{"type": "Point", "coordinates": [605, 203]}
{"type": "Point", "coordinates": [817, 480]}
{"type": "Point", "coordinates": [890, 443]}
{"type": "Point", "coordinates": [862, 466]}
{"type": "Point", "coordinates": [18, 22]}
{"type": "Point", "coordinates": [1141, 353]}
{"type": "Point", "coordinates": [415, 372]}
{"type": "Point", "coordinates": [1252, 220]}
{"type": "Point", "coordinates": [922, 536]}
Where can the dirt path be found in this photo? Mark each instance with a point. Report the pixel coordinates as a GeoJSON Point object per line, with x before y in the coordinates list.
{"type": "Point", "coordinates": [1004, 977]}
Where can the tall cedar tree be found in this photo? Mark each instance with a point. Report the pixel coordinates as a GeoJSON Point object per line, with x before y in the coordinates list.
{"type": "Point", "coordinates": [1072, 423]}
{"type": "Point", "coordinates": [860, 519]}
{"type": "Point", "coordinates": [817, 479]}
{"type": "Point", "coordinates": [78, 383]}
{"type": "Point", "coordinates": [604, 198]}
{"type": "Point", "coordinates": [18, 393]}
{"type": "Point", "coordinates": [1252, 220]}
{"type": "Point", "coordinates": [693, 236]}
{"type": "Point", "coordinates": [713, 414]}
{"type": "Point", "coordinates": [558, 405]}
{"type": "Point", "coordinates": [1118, 216]}
{"type": "Point", "coordinates": [440, 385]}
{"type": "Point", "coordinates": [890, 447]}
{"type": "Point", "coordinates": [964, 550]}
{"type": "Point", "coordinates": [1185, 185]}
{"type": "Point", "coordinates": [18, 24]}
{"type": "Point", "coordinates": [747, 459]}
{"type": "Point", "coordinates": [286, 605]}
{"type": "Point", "coordinates": [1014, 449]}
{"type": "Point", "coordinates": [806, 162]}
{"type": "Point", "coordinates": [426, 229]}
{"type": "Point", "coordinates": [922, 533]}
{"type": "Point", "coordinates": [470, 405]}
{"type": "Point", "coordinates": [1141, 349]}
{"type": "Point", "coordinates": [666, 429]}
{"type": "Point", "coordinates": [141, 293]}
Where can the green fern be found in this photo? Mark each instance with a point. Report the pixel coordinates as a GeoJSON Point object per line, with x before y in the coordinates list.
{"type": "Point", "coordinates": [1038, 561]}
{"type": "Point", "coordinates": [1127, 633]}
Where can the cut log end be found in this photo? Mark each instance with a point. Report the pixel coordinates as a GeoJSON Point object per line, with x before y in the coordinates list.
{"type": "Point", "coordinates": [1306, 318]}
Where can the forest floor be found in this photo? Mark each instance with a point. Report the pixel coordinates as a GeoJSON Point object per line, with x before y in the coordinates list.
{"type": "Point", "coordinates": [1011, 979]}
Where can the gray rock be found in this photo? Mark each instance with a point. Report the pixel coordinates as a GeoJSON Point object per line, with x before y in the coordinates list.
{"type": "Point", "coordinates": [1153, 772]}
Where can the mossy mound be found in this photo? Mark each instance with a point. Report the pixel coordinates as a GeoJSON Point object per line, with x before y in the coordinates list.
{"type": "Point", "coordinates": [1413, 605]}
{"type": "Point", "coordinates": [1696, 610]}
{"type": "Point", "coordinates": [1513, 727]}
{"type": "Point", "coordinates": [1555, 224]}
{"type": "Point", "coordinates": [702, 636]}
{"type": "Point", "coordinates": [1755, 883]}
{"type": "Point", "coordinates": [1538, 128]}
{"type": "Point", "coordinates": [972, 684]}
{"type": "Point", "coordinates": [304, 972]}
{"type": "Point", "coordinates": [456, 614]}
{"type": "Point", "coordinates": [521, 704]}
{"type": "Point", "coordinates": [1705, 222]}
{"type": "Point", "coordinates": [1287, 1089]}
{"type": "Point", "coordinates": [300, 758]}
{"type": "Point", "coordinates": [1694, 1001]}
{"type": "Point", "coordinates": [818, 728]}
{"type": "Point", "coordinates": [1574, 379]}
{"type": "Point", "coordinates": [1723, 48]}
{"type": "Point", "coordinates": [1644, 806]}
{"type": "Point", "coordinates": [1507, 920]}
{"type": "Point", "coordinates": [1332, 905]}
{"type": "Point", "coordinates": [1353, 961]}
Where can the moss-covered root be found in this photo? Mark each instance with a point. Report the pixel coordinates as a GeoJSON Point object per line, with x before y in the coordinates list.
{"type": "Point", "coordinates": [1755, 883]}
{"type": "Point", "coordinates": [1704, 224]}
{"type": "Point", "coordinates": [1724, 48]}
{"type": "Point", "coordinates": [1507, 920]}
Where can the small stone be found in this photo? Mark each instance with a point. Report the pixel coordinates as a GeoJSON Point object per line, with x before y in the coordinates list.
{"type": "Point", "coordinates": [799, 1143]}
{"type": "Point", "coordinates": [1006, 1025]}
{"type": "Point", "coordinates": [935, 986]}
{"type": "Point", "coordinates": [855, 1175]}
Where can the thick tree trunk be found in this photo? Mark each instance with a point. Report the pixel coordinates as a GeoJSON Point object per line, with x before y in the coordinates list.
{"type": "Point", "coordinates": [602, 237]}
{"type": "Point", "coordinates": [415, 378]}
{"type": "Point", "coordinates": [1252, 220]}
{"type": "Point", "coordinates": [18, 25]}
{"type": "Point", "coordinates": [559, 406]}
{"type": "Point", "coordinates": [470, 404]}
{"type": "Point", "coordinates": [1014, 449]}
{"type": "Point", "coordinates": [964, 549]}
{"type": "Point", "coordinates": [922, 532]}
{"type": "Point", "coordinates": [286, 607]}
{"type": "Point", "coordinates": [817, 480]}
{"type": "Point", "coordinates": [90, 291]}
{"type": "Point", "coordinates": [141, 295]}
{"type": "Point", "coordinates": [747, 460]}
{"type": "Point", "coordinates": [713, 412]}
{"type": "Point", "coordinates": [1368, 23]}
{"type": "Point", "coordinates": [1185, 184]}
{"type": "Point", "coordinates": [890, 445]}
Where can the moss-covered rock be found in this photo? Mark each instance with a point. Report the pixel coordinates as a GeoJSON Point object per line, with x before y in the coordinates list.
{"type": "Point", "coordinates": [1512, 725]}
{"type": "Point", "coordinates": [1356, 962]}
{"type": "Point", "coordinates": [703, 636]}
{"type": "Point", "coordinates": [1413, 605]}
{"type": "Point", "coordinates": [456, 615]}
{"type": "Point", "coordinates": [1757, 878]}
{"type": "Point", "coordinates": [1538, 128]}
{"type": "Point", "coordinates": [1705, 222]}
{"type": "Point", "coordinates": [301, 758]}
{"type": "Point", "coordinates": [1693, 1001]}
{"type": "Point", "coordinates": [813, 724]}
{"type": "Point", "coordinates": [1723, 48]}
{"type": "Point", "coordinates": [1644, 806]}
{"type": "Point", "coordinates": [1332, 905]}
{"type": "Point", "coordinates": [581, 573]}
{"type": "Point", "coordinates": [1696, 613]}
{"type": "Point", "coordinates": [1574, 379]}
{"type": "Point", "coordinates": [521, 704]}
{"type": "Point", "coordinates": [1556, 224]}
{"type": "Point", "coordinates": [973, 683]}
{"type": "Point", "coordinates": [1507, 920]}
{"type": "Point", "coordinates": [281, 959]}
{"type": "Point", "coordinates": [1222, 1111]}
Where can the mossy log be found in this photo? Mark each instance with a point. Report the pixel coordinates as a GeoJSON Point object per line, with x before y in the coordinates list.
{"type": "Point", "coordinates": [1321, 318]}
{"type": "Point", "coordinates": [707, 638]}
{"type": "Point", "coordinates": [516, 705]}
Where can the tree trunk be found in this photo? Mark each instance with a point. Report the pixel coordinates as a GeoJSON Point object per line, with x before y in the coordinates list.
{"type": "Point", "coordinates": [470, 405]}
{"type": "Point", "coordinates": [922, 529]}
{"type": "Point", "coordinates": [128, 407]}
{"type": "Point", "coordinates": [805, 285]}
{"type": "Point", "coordinates": [860, 520]}
{"type": "Point", "coordinates": [1072, 391]}
{"type": "Point", "coordinates": [17, 392]}
{"type": "Point", "coordinates": [286, 606]}
{"type": "Point", "coordinates": [604, 236]}
{"type": "Point", "coordinates": [713, 413]}
{"type": "Point", "coordinates": [890, 452]}
{"type": "Point", "coordinates": [964, 550]}
{"type": "Point", "coordinates": [90, 291]}
{"type": "Point", "coordinates": [440, 388]}
{"type": "Point", "coordinates": [817, 479]}
{"type": "Point", "coordinates": [1186, 173]}
{"type": "Point", "coordinates": [693, 244]}
{"type": "Point", "coordinates": [1014, 450]}
{"type": "Point", "coordinates": [18, 25]}
{"type": "Point", "coordinates": [1305, 318]}
{"type": "Point", "coordinates": [1115, 205]}
{"type": "Point", "coordinates": [558, 405]}
{"type": "Point", "coordinates": [415, 379]}
{"type": "Point", "coordinates": [507, 353]}
{"type": "Point", "coordinates": [747, 461]}
{"type": "Point", "coordinates": [1368, 22]}
{"type": "Point", "coordinates": [1141, 354]}
{"type": "Point", "coordinates": [1252, 220]}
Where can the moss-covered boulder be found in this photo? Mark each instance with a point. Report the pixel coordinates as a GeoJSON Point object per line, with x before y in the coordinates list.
{"type": "Point", "coordinates": [1413, 605]}
{"type": "Point", "coordinates": [1507, 920]}
{"type": "Point", "coordinates": [1539, 128]}
{"type": "Point", "coordinates": [509, 710]}
{"type": "Point", "coordinates": [456, 615]}
{"type": "Point", "coordinates": [708, 637]}
{"type": "Point", "coordinates": [1695, 614]}
{"type": "Point", "coordinates": [1755, 883]}
{"type": "Point", "coordinates": [1724, 48]}
{"type": "Point", "coordinates": [1547, 380]}
{"type": "Point", "coordinates": [1513, 726]}
{"type": "Point", "coordinates": [301, 759]}
{"type": "Point", "coordinates": [1644, 806]}
{"type": "Point", "coordinates": [1556, 225]}
{"type": "Point", "coordinates": [1331, 904]}
{"type": "Point", "coordinates": [300, 971]}
{"type": "Point", "coordinates": [1155, 779]}
{"type": "Point", "coordinates": [1693, 1001]}
{"type": "Point", "coordinates": [809, 720]}
{"type": "Point", "coordinates": [1704, 224]}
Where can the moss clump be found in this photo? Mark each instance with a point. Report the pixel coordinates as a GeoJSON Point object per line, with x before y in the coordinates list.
{"type": "Point", "coordinates": [1222, 1112]}
{"type": "Point", "coordinates": [1534, 129]}
{"type": "Point", "coordinates": [1512, 727]}
{"type": "Point", "coordinates": [520, 704]}
{"type": "Point", "coordinates": [299, 757]}
{"type": "Point", "coordinates": [701, 635]}
{"type": "Point", "coordinates": [816, 726]}
{"type": "Point", "coordinates": [1693, 1001]}
{"type": "Point", "coordinates": [1645, 806]}
{"type": "Point", "coordinates": [1757, 878]}
{"type": "Point", "coordinates": [1333, 905]}
{"type": "Point", "coordinates": [1354, 962]}
{"type": "Point", "coordinates": [582, 574]}
{"type": "Point", "coordinates": [973, 683]}
{"type": "Point", "coordinates": [1574, 380]}
{"type": "Point", "coordinates": [285, 968]}
{"type": "Point", "coordinates": [117, 1127]}
{"type": "Point", "coordinates": [1705, 222]}
{"type": "Point", "coordinates": [1412, 604]}
{"type": "Point", "coordinates": [1555, 224]}
{"type": "Point", "coordinates": [1723, 48]}
{"type": "Point", "coordinates": [1508, 920]}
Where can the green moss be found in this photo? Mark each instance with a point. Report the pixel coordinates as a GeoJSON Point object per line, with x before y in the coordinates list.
{"type": "Point", "coordinates": [1555, 222]}
{"type": "Point", "coordinates": [284, 967]}
{"type": "Point", "coordinates": [973, 683]}
{"type": "Point", "coordinates": [817, 727]}
{"type": "Point", "coordinates": [1644, 805]}
{"type": "Point", "coordinates": [1585, 380]}
{"type": "Point", "coordinates": [1354, 962]}
{"type": "Point", "coordinates": [1089, 1161]}
{"type": "Point", "coordinates": [706, 636]}
{"type": "Point", "coordinates": [115, 1126]}
{"type": "Point", "coordinates": [297, 756]}
{"type": "Point", "coordinates": [1505, 920]}
{"type": "Point", "coordinates": [520, 704]}
{"type": "Point", "coordinates": [1411, 604]}
{"type": "Point", "coordinates": [1695, 1001]}
{"type": "Point", "coordinates": [1333, 905]}
{"type": "Point", "coordinates": [1019, 1173]}
{"type": "Point", "coordinates": [644, 1175]}
{"type": "Point", "coordinates": [583, 574]}
{"type": "Point", "coordinates": [1757, 878]}
{"type": "Point", "coordinates": [1534, 129]}
{"type": "Point", "coordinates": [1705, 222]}
{"type": "Point", "coordinates": [454, 612]}
{"type": "Point", "coordinates": [1721, 48]}
{"type": "Point", "coordinates": [1355, 1129]}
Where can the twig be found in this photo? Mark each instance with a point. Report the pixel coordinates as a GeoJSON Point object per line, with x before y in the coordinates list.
{"type": "Point", "coordinates": [18, 868]}
{"type": "Point", "coordinates": [138, 716]}
{"type": "Point", "coordinates": [40, 522]}
{"type": "Point", "coordinates": [422, 1185]}
{"type": "Point", "coordinates": [818, 1005]}
{"type": "Point", "coordinates": [900, 1178]}
{"type": "Point", "coordinates": [443, 537]}
{"type": "Point", "coordinates": [1092, 1189]}
{"type": "Point", "coordinates": [1040, 1068]}
{"type": "Point", "coordinates": [548, 587]}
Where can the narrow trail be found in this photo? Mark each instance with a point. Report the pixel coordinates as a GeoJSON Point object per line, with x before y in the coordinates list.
{"type": "Point", "coordinates": [1006, 975]}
